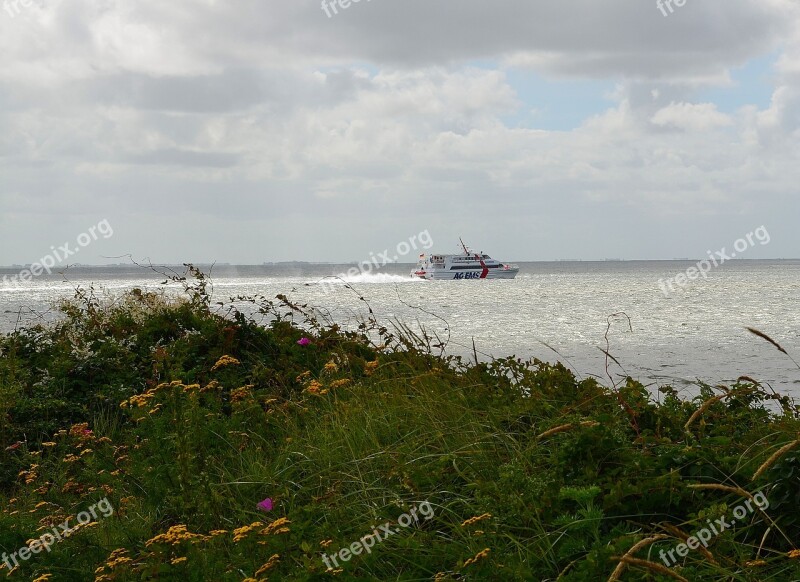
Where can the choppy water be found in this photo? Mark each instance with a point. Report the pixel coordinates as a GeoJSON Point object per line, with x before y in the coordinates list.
{"type": "Point", "coordinates": [695, 334]}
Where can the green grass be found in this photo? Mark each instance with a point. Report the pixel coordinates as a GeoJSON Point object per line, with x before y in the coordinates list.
{"type": "Point", "coordinates": [561, 476]}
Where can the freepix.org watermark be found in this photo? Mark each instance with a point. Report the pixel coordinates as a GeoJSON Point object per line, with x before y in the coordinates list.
{"type": "Point", "coordinates": [713, 529]}
{"type": "Point", "coordinates": [59, 532]}
{"type": "Point", "coordinates": [378, 535]}
{"type": "Point", "coordinates": [664, 5]}
{"type": "Point", "coordinates": [14, 7]}
{"type": "Point", "coordinates": [58, 255]}
{"type": "Point", "coordinates": [715, 259]}
{"type": "Point", "coordinates": [382, 259]}
{"type": "Point", "coordinates": [329, 6]}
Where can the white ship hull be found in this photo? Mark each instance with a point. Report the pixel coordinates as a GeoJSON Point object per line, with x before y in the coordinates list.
{"type": "Point", "coordinates": [463, 267]}
{"type": "Point", "coordinates": [465, 275]}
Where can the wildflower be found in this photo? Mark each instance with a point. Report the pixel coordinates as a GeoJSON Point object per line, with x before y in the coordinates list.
{"type": "Point", "coordinates": [331, 367]}
{"type": "Point", "coordinates": [273, 559]}
{"type": "Point", "coordinates": [265, 505]}
{"type": "Point", "coordinates": [276, 527]}
{"type": "Point", "coordinates": [755, 563]}
{"type": "Point", "coordinates": [139, 400]}
{"type": "Point", "coordinates": [80, 430]}
{"type": "Point", "coordinates": [213, 385]}
{"type": "Point", "coordinates": [316, 388]}
{"type": "Point", "coordinates": [240, 533]}
{"type": "Point", "coordinates": [174, 535]}
{"type": "Point", "coordinates": [301, 378]}
{"type": "Point", "coordinates": [119, 561]}
{"type": "Point", "coordinates": [48, 444]}
{"type": "Point", "coordinates": [476, 519]}
{"type": "Point", "coordinates": [30, 475]}
{"type": "Point", "coordinates": [325, 543]}
{"type": "Point", "coordinates": [303, 341]}
{"type": "Point", "coordinates": [225, 361]}
{"type": "Point", "coordinates": [217, 532]}
{"type": "Point", "coordinates": [370, 367]}
{"type": "Point", "coordinates": [479, 556]}
{"type": "Point", "coordinates": [43, 578]}
{"type": "Point", "coordinates": [241, 393]}
{"type": "Point", "coordinates": [793, 554]}
{"type": "Point", "coordinates": [178, 560]}
{"type": "Point", "coordinates": [118, 553]}
{"type": "Point", "coordinates": [340, 383]}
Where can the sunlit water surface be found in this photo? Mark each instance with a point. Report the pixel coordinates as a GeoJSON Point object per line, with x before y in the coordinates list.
{"type": "Point", "coordinates": [552, 311]}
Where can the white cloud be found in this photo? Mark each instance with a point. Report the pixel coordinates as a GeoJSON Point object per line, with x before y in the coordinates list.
{"type": "Point", "coordinates": [691, 117]}
{"type": "Point", "coordinates": [392, 114]}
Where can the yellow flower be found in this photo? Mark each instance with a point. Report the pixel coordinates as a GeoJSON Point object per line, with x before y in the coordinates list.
{"type": "Point", "coordinates": [370, 367]}
{"type": "Point", "coordinates": [241, 393]}
{"type": "Point", "coordinates": [276, 527]}
{"type": "Point", "coordinates": [340, 383]}
{"type": "Point", "coordinates": [140, 400]}
{"type": "Point", "coordinates": [43, 578]}
{"type": "Point", "coordinates": [325, 543]}
{"type": "Point", "coordinates": [225, 361]}
{"type": "Point", "coordinates": [174, 535]}
{"type": "Point", "coordinates": [116, 558]}
{"type": "Point", "coordinates": [241, 533]}
{"type": "Point", "coordinates": [269, 564]}
{"type": "Point", "coordinates": [476, 519]}
{"type": "Point", "coordinates": [331, 367]}
{"type": "Point", "coordinates": [316, 388]}
{"type": "Point", "coordinates": [793, 554]}
{"type": "Point", "coordinates": [479, 556]}
{"type": "Point", "coordinates": [80, 430]}
{"type": "Point", "coordinates": [178, 561]}
{"type": "Point", "coordinates": [48, 444]}
{"type": "Point", "coordinates": [213, 385]}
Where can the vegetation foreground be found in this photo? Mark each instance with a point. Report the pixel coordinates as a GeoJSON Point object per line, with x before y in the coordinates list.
{"type": "Point", "coordinates": [229, 450]}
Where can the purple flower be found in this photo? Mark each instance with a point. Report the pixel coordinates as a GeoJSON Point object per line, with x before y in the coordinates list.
{"type": "Point", "coordinates": [303, 341]}
{"type": "Point", "coordinates": [265, 505]}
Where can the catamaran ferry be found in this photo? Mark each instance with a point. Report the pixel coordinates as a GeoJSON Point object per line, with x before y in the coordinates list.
{"type": "Point", "coordinates": [468, 265]}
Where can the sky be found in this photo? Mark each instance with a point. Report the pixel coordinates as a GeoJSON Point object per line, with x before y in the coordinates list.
{"type": "Point", "coordinates": [268, 130]}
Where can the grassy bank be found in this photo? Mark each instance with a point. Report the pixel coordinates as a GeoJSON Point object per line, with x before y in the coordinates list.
{"type": "Point", "coordinates": [186, 421]}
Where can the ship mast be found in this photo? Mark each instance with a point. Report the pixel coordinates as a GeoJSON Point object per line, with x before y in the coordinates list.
{"type": "Point", "coordinates": [463, 246]}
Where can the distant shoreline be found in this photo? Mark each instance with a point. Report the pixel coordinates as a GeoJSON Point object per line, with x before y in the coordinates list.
{"type": "Point", "coordinates": [18, 266]}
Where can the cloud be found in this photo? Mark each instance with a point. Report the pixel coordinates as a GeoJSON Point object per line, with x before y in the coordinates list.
{"type": "Point", "coordinates": [691, 117]}
{"type": "Point", "coordinates": [391, 117]}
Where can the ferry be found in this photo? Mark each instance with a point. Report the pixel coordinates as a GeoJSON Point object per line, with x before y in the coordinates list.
{"type": "Point", "coordinates": [468, 265]}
